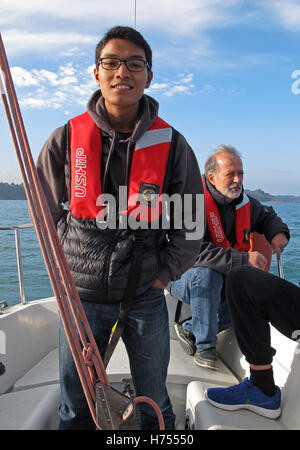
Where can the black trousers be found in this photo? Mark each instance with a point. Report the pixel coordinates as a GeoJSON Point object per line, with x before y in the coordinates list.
{"type": "Point", "coordinates": [256, 299]}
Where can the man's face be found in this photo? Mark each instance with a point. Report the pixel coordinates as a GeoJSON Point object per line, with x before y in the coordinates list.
{"type": "Point", "coordinates": [122, 88]}
{"type": "Point", "coordinates": [229, 178]}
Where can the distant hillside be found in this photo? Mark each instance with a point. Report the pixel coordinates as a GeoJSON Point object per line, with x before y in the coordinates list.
{"type": "Point", "coordinates": [265, 197]}
{"type": "Point", "coordinates": [12, 191]}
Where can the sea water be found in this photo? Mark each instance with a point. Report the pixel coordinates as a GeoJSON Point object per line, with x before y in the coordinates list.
{"type": "Point", "coordinates": [36, 282]}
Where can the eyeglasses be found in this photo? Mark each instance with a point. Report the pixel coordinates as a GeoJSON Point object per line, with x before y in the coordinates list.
{"type": "Point", "coordinates": [133, 65]}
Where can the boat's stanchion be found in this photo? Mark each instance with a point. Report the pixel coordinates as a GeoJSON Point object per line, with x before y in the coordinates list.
{"type": "Point", "coordinates": [279, 265]}
{"type": "Point", "coordinates": [19, 265]}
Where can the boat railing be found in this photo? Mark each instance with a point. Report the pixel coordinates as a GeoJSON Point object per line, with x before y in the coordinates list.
{"type": "Point", "coordinates": [16, 229]}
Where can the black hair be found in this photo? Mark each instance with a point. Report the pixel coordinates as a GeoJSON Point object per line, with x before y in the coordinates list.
{"type": "Point", "coordinates": [128, 33]}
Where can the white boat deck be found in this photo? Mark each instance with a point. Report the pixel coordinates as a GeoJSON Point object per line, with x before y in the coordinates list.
{"type": "Point", "coordinates": [39, 387]}
{"type": "Point", "coordinates": [30, 396]}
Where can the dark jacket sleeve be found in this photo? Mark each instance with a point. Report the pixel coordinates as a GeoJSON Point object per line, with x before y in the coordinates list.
{"type": "Point", "coordinates": [218, 258]}
{"type": "Point", "coordinates": [51, 170]}
{"type": "Point", "coordinates": [264, 220]}
{"type": "Point", "coordinates": [184, 242]}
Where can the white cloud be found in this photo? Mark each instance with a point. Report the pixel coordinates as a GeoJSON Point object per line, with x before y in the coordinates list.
{"type": "Point", "coordinates": [47, 89]}
{"type": "Point", "coordinates": [53, 78]}
{"type": "Point", "coordinates": [186, 78]}
{"type": "Point", "coordinates": [67, 70]}
{"type": "Point", "coordinates": [22, 77]}
{"type": "Point", "coordinates": [177, 90]}
{"type": "Point", "coordinates": [59, 25]}
{"type": "Point", "coordinates": [288, 12]}
{"type": "Point", "coordinates": [19, 41]}
{"type": "Point", "coordinates": [36, 103]}
{"type": "Point", "coordinates": [183, 24]}
{"type": "Point", "coordinates": [70, 29]}
{"type": "Point", "coordinates": [174, 16]}
{"type": "Point", "coordinates": [183, 84]}
{"type": "Point", "coordinates": [208, 89]}
{"type": "Point", "coordinates": [177, 17]}
{"type": "Point", "coordinates": [60, 91]}
{"type": "Point", "coordinates": [41, 88]}
{"type": "Point", "coordinates": [63, 9]}
{"type": "Point", "coordinates": [159, 86]}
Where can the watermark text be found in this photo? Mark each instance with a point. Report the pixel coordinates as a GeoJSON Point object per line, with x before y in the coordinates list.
{"type": "Point", "coordinates": [176, 212]}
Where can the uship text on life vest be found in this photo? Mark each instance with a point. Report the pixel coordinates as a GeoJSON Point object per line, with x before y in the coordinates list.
{"type": "Point", "coordinates": [140, 211]}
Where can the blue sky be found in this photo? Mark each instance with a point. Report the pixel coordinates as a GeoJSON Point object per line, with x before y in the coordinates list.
{"type": "Point", "coordinates": [225, 71]}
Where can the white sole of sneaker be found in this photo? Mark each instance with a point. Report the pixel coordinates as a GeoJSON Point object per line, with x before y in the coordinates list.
{"type": "Point", "coordinates": [206, 365]}
{"type": "Point", "coordinates": [268, 413]}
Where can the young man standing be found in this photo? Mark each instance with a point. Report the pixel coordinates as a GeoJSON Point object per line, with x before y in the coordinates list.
{"type": "Point", "coordinates": [121, 145]}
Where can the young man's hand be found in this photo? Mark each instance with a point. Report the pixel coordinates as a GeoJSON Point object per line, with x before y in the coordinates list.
{"type": "Point", "coordinates": [157, 283]}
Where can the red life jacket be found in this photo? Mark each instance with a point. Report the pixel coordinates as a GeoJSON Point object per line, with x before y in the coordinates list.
{"type": "Point", "coordinates": [242, 223]}
{"type": "Point", "coordinates": [148, 169]}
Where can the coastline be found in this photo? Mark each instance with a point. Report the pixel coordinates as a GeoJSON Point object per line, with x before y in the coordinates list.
{"type": "Point", "coordinates": [12, 191]}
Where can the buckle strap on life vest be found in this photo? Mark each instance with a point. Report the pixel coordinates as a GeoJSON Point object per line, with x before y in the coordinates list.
{"type": "Point", "coordinates": [135, 269]}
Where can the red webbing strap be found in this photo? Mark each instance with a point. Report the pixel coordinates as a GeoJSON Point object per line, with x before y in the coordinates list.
{"type": "Point", "coordinates": [82, 344]}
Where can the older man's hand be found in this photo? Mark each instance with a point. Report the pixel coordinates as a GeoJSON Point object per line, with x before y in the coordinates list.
{"type": "Point", "coordinates": [257, 260]}
{"type": "Point", "coordinates": [278, 243]}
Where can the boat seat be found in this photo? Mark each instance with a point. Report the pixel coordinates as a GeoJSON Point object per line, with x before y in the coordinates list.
{"type": "Point", "coordinates": [45, 372]}
{"type": "Point", "coordinates": [31, 332]}
{"type": "Point", "coordinates": [41, 409]}
{"type": "Point", "coordinates": [39, 390]}
{"type": "Point", "coordinates": [286, 364]}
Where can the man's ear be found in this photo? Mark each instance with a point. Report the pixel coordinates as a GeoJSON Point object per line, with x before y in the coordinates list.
{"type": "Point", "coordinates": [149, 79]}
{"type": "Point", "coordinates": [96, 76]}
{"type": "Point", "coordinates": [211, 178]}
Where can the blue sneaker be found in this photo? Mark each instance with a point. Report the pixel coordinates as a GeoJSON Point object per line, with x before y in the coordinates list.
{"type": "Point", "coordinates": [246, 396]}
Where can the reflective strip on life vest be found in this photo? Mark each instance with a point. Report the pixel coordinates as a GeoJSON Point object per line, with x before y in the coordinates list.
{"type": "Point", "coordinates": [242, 225]}
{"type": "Point", "coordinates": [151, 153]}
{"type": "Point", "coordinates": [154, 137]}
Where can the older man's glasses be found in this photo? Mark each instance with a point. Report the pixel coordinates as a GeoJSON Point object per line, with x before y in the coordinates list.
{"type": "Point", "coordinates": [133, 65]}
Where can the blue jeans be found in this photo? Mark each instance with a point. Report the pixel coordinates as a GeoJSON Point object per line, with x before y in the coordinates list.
{"type": "Point", "coordinates": [147, 341]}
{"type": "Point", "coordinates": [201, 288]}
